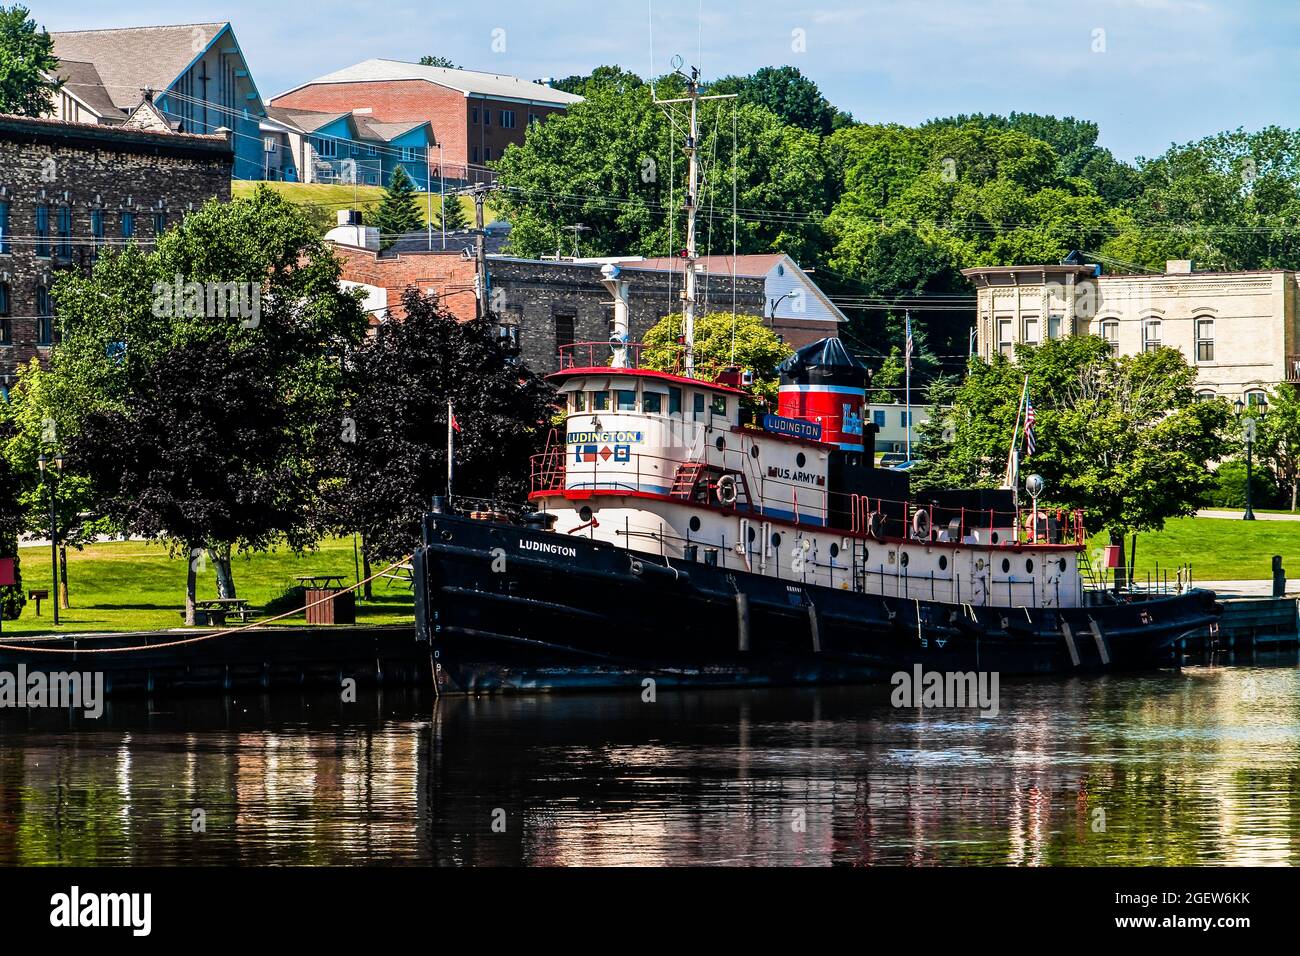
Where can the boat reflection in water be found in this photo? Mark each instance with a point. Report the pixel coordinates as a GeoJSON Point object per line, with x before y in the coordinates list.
{"type": "Point", "coordinates": [1191, 767]}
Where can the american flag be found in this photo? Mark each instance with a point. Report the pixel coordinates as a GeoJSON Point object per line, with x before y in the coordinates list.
{"type": "Point", "coordinates": [1029, 423]}
{"type": "Point", "coordinates": [907, 351]}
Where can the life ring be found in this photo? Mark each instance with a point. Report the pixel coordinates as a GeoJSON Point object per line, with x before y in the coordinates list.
{"type": "Point", "coordinates": [727, 490]}
{"type": "Point", "coordinates": [921, 525]}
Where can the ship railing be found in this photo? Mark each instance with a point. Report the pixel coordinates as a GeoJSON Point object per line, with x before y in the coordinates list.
{"type": "Point", "coordinates": [931, 522]}
{"type": "Point", "coordinates": [595, 355]}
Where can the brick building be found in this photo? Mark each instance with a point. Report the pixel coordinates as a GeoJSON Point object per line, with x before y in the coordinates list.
{"type": "Point", "coordinates": [474, 116]}
{"type": "Point", "coordinates": [544, 305]}
{"type": "Point", "coordinates": [70, 189]}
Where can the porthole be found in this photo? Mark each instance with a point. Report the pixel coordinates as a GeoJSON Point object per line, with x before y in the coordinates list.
{"type": "Point", "coordinates": [584, 513]}
{"type": "Point", "coordinates": [1061, 564]}
{"type": "Point", "coordinates": [753, 451]}
{"type": "Point", "coordinates": [903, 559]}
{"type": "Point", "coordinates": [835, 550]}
{"type": "Point", "coordinates": [864, 555]}
{"type": "Point", "coordinates": [695, 524]}
{"type": "Point", "coordinates": [1006, 565]}
{"type": "Point", "coordinates": [776, 541]}
{"type": "Point", "coordinates": [752, 535]}
{"type": "Point", "coordinates": [801, 459]}
{"type": "Point", "coordinates": [995, 537]}
{"type": "Point", "coordinates": [1029, 565]}
{"type": "Point", "coordinates": [943, 562]}
{"type": "Point", "coordinates": [720, 444]}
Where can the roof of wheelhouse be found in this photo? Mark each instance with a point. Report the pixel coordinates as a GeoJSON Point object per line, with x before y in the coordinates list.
{"type": "Point", "coordinates": [607, 371]}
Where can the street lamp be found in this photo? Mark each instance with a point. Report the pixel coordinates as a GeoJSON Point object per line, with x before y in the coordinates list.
{"type": "Point", "coordinates": [46, 474]}
{"type": "Point", "coordinates": [1248, 433]}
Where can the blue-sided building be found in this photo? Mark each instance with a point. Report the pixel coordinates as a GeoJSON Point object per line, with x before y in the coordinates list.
{"type": "Point", "coordinates": [191, 78]}
{"type": "Point", "coordinates": [310, 147]}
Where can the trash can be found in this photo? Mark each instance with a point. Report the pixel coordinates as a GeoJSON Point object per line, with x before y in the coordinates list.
{"type": "Point", "coordinates": [342, 609]}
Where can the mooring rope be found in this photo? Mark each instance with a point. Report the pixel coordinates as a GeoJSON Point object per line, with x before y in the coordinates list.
{"type": "Point", "coordinates": [201, 637]}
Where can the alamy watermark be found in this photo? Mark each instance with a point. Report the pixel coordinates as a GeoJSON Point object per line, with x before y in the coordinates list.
{"type": "Point", "coordinates": [946, 689]}
{"type": "Point", "coordinates": [64, 690]}
{"type": "Point", "coordinates": [209, 300]}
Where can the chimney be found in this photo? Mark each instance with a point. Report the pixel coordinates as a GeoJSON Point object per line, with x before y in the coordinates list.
{"type": "Point", "coordinates": [1179, 267]}
{"type": "Point", "coordinates": [349, 217]}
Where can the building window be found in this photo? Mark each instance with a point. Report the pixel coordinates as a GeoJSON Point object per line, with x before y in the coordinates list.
{"type": "Point", "coordinates": [370, 149]}
{"type": "Point", "coordinates": [6, 328]}
{"type": "Point", "coordinates": [1255, 398]}
{"type": "Point", "coordinates": [1004, 336]}
{"type": "Point", "coordinates": [487, 116]}
{"type": "Point", "coordinates": [475, 155]}
{"type": "Point", "coordinates": [270, 144]}
{"type": "Point", "coordinates": [878, 416]}
{"type": "Point", "coordinates": [97, 226]}
{"type": "Point", "coordinates": [410, 154]}
{"type": "Point", "coordinates": [487, 154]}
{"type": "Point", "coordinates": [564, 322]}
{"type": "Point", "coordinates": [1031, 330]}
{"type": "Point", "coordinates": [902, 418]}
{"type": "Point", "coordinates": [507, 119]}
{"type": "Point", "coordinates": [63, 246]}
{"type": "Point", "coordinates": [326, 148]}
{"type": "Point", "coordinates": [1054, 326]}
{"type": "Point", "coordinates": [4, 229]}
{"type": "Point", "coordinates": [43, 231]}
{"type": "Point", "coordinates": [128, 225]}
{"type": "Point", "coordinates": [159, 223]}
{"type": "Point", "coordinates": [1150, 335]}
{"type": "Point", "coordinates": [473, 114]}
{"type": "Point", "coordinates": [1110, 332]}
{"type": "Point", "coordinates": [44, 317]}
{"type": "Point", "coordinates": [1205, 395]}
{"type": "Point", "coordinates": [533, 119]}
{"type": "Point", "coordinates": [1205, 340]}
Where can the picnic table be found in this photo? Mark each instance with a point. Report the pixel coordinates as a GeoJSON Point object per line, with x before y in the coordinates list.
{"type": "Point", "coordinates": [216, 610]}
{"type": "Point", "coordinates": [319, 582]}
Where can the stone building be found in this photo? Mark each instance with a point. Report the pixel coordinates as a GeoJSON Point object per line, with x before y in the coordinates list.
{"type": "Point", "coordinates": [68, 190]}
{"type": "Point", "coordinates": [548, 307]}
{"type": "Point", "coordinates": [1239, 329]}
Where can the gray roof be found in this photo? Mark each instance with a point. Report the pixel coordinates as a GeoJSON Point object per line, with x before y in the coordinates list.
{"type": "Point", "coordinates": [83, 81]}
{"type": "Point", "coordinates": [132, 59]}
{"type": "Point", "coordinates": [309, 121]}
{"type": "Point", "coordinates": [469, 82]}
{"type": "Point", "coordinates": [306, 120]}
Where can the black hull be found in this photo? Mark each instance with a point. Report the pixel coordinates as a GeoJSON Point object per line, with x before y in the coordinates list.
{"type": "Point", "coordinates": [508, 608]}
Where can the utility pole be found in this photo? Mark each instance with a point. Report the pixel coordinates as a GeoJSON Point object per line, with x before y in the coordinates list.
{"type": "Point", "coordinates": [690, 296]}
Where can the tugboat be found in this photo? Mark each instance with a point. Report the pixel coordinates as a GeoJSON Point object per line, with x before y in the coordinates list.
{"type": "Point", "coordinates": [675, 535]}
{"type": "Point", "coordinates": [673, 540]}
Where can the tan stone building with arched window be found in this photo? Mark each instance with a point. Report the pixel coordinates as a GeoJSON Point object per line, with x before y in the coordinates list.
{"type": "Point", "coordinates": [1239, 329]}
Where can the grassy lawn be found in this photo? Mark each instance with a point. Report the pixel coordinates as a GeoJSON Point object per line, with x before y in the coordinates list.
{"type": "Point", "coordinates": [131, 586]}
{"type": "Point", "coordinates": [1219, 549]}
{"type": "Point", "coordinates": [341, 197]}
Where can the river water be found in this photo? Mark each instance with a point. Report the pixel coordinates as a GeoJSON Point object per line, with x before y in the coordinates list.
{"type": "Point", "coordinates": [1200, 766]}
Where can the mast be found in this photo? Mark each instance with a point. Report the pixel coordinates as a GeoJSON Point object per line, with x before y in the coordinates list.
{"type": "Point", "coordinates": [690, 296]}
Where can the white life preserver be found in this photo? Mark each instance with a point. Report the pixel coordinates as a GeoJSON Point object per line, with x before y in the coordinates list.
{"type": "Point", "coordinates": [727, 490]}
{"type": "Point", "coordinates": [921, 525]}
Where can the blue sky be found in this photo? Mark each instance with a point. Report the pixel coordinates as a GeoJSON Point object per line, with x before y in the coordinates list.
{"type": "Point", "coordinates": [1160, 71]}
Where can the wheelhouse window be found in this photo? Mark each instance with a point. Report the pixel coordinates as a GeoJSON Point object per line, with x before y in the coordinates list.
{"type": "Point", "coordinates": [719, 407]}
{"type": "Point", "coordinates": [1151, 335]}
{"type": "Point", "coordinates": [674, 401]}
{"type": "Point", "coordinates": [1110, 332]}
{"type": "Point", "coordinates": [698, 404]}
{"type": "Point", "coordinates": [1205, 340]}
{"type": "Point", "coordinates": [626, 399]}
{"type": "Point", "coordinates": [652, 403]}
{"type": "Point", "coordinates": [578, 401]}
{"type": "Point", "coordinates": [600, 401]}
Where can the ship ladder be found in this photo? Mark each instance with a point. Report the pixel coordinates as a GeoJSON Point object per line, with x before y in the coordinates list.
{"type": "Point", "coordinates": [1089, 573]}
{"type": "Point", "coordinates": [684, 482]}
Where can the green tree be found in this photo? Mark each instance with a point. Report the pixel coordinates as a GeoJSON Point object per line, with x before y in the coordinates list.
{"type": "Point", "coordinates": [27, 64]}
{"type": "Point", "coordinates": [398, 212]}
{"type": "Point", "coordinates": [451, 214]}
{"type": "Point", "coordinates": [1278, 443]}
{"type": "Point", "coordinates": [197, 417]}
{"type": "Point", "coordinates": [438, 61]}
{"type": "Point", "coordinates": [12, 597]}
{"type": "Point", "coordinates": [722, 340]}
{"type": "Point", "coordinates": [614, 163]}
{"type": "Point", "coordinates": [1121, 437]}
{"type": "Point", "coordinates": [785, 91]}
